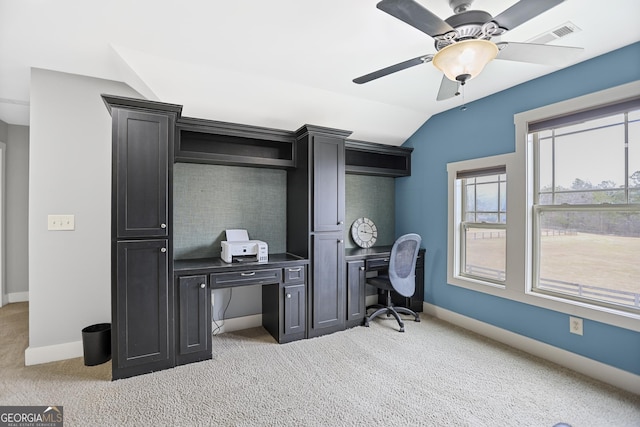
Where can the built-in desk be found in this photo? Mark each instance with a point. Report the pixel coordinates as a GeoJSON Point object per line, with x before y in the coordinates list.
{"type": "Point", "coordinates": [284, 289]}
{"type": "Point", "coordinates": [284, 294]}
{"type": "Point", "coordinates": [360, 261]}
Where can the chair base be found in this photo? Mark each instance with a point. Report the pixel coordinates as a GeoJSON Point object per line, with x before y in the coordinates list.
{"type": "Point", "coordinates": [390, 310]}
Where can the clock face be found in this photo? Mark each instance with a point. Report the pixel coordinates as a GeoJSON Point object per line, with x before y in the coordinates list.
{"type": "Point", "coordinates": [364, 232]}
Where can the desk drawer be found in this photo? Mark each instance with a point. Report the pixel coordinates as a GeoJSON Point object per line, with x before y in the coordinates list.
{"type": "Point", "coordinates": [293, 274]}
{"type": "Point", "coordinates": [246, 277]}
{"type": "Point", "coordinates": [377, 264]}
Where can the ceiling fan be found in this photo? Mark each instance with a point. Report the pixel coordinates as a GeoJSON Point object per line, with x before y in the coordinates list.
{"type": "Point", "coordinates": [463, 41]}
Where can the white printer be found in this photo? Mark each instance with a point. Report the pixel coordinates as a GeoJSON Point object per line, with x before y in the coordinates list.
{"type": "Point", "coordinates": [238, 248]}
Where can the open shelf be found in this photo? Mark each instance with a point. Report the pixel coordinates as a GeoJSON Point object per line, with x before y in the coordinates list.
{"type": "Point", "coordinates": [367, 158]}
{"type": "Point", "coordinates": [201, 141]}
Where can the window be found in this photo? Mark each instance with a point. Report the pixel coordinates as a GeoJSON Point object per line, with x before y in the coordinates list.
{"type": "Point", "coordinates": [478, 227]}
{"type": "Point", "coordinates": [572, 198]}
{"type": "Point", "coordinates": [483, 227]}
{"type": "Point", "coordinates": [586, 206]}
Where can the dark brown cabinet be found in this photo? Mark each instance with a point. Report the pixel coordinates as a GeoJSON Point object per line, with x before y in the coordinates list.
{"type": "Point", "coordinates": [194, 307]}
{"type": "Point", "coordinates": [141, 173]}
{"type": "Point", "coordinates": [328, 293]}
{"type": "Point", "coordinates": [356, 293]}
{"type": "Point", "coordinates": [142, 302]}
{"type": "Point", "coordinates": [284, 305]}
{"type": "Point", "coordinates": [294, 304]}
{"type": "Point", "coordinates": [142, 339]}
{"type": "Point", "coordinates": [328, 183]}
{"type": "Point", "coordinates": [315, 223]}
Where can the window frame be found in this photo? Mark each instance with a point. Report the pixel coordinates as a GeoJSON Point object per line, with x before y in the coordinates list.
{"type": "Point", "coordinates": [456, 222]}
{"type": "Point", "coordinates": [520, 198]}
{"type": "Point", "coordinates": [539, 208]}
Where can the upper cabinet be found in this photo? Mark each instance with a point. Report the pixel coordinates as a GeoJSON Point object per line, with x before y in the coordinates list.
{"type": "Point", "coordinates": [368, 158]}
{"type": "Point", "coordinates": [208, 141]}
{"type": "Point", "coordinates": [142, 207]}
{"type": "Point", "coordinates": [328, 182]}
{"type": "Point", "coordinates": [142, 136]}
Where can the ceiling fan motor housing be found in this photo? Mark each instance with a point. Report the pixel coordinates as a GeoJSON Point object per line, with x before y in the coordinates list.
{"type": "Point", "coordinates": [471, 24]}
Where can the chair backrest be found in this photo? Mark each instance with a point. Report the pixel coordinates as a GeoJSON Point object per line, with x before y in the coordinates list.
{"type": "Point", "coordinates": [402, 264]}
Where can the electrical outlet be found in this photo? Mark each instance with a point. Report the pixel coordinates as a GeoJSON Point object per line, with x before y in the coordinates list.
{"type": "Point", "coordinates": [61, 222]}
{"type": "Point", "coordinates": [575, 325]}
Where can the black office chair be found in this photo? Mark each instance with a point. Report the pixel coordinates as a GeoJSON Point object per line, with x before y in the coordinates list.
{"type": "Point", "coordinates": [401, 278]}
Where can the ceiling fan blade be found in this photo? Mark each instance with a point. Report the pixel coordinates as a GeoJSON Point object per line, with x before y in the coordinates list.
{"type": "Point", "coordinates": [448, 89]}
{"type": "Point", "coordinates": [523, 11]}
{"type": "Point", "coordinates": [415, 15]}
{"type": "Point", "coordinates": [393, 68]}
{"type": "Point", "coordinates": [545, 54]}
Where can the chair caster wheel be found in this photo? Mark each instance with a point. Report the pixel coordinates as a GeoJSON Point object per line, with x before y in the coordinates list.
{"type": "Point", "coordinates": [366, 323]}
{"type": "Point", "coordinates": [417, 319]}
{"type": "Point", "coordinates": [402, 329]}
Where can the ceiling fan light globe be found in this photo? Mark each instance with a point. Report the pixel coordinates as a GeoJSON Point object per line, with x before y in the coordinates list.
{"type": "Point", "coordinates": [465, 57]}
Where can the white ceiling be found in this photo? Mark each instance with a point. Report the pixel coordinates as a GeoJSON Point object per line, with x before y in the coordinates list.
{"type": "Point", "coordinates": [274, 63]}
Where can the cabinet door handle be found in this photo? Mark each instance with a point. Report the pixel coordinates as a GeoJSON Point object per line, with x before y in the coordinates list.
{"type": "Point", "coordinates": [293, 270]}
{"type": "Point", "coordinates": [361, 268]}
{"type": "Point", "coordinates": [340, 222]}
{"type": "Point", "coordinates": [163, 250]}
{"type": "Point", "coordinates": [252, 273]}
{"type": "Point", "coordinates": [289, 296]}
{"type": "Point", "coordinates": [340, 241]}
{"type": "Point", "coordinates": [163, 225]}
{"type": "Point", "coordinates": [202, 286]}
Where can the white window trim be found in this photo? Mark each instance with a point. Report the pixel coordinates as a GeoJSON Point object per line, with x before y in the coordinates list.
{"type": "Point", "coordinates": [454, 219]}
{"type": "Point", "coordinates": [520, 216]}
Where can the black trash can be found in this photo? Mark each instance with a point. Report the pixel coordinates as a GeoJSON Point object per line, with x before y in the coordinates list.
{"type": "Point", "coordinates": [96, 344]}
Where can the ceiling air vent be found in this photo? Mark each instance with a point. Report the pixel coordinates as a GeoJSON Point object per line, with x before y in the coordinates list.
{"type": "Point", "coordinates": [556, 33]}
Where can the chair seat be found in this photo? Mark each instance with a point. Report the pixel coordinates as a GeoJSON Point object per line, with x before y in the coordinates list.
{"type": "Point", "coordinates": [381, 282]}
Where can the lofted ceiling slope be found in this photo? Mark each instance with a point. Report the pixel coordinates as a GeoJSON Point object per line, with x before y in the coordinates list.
{"type": "Point", "coordinates": [276, 63]}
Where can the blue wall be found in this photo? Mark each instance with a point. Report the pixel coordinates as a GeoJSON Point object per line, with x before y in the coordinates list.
{"type": "Point", "coordinates": [486, 128]}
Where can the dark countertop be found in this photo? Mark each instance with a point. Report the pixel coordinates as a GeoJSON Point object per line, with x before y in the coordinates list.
{"type": "Point", "coordinates": [201, 265]}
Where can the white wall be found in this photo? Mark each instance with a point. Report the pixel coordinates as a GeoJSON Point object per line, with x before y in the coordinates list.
{"type": "Point", "coordinates": [3, 148]}
{"type": "Point", "coordinates": [69, 173]}
{"type": "Point", "coordinates": [17, 211]}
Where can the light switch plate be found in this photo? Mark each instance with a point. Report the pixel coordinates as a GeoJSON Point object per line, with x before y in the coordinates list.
{"type": "Point", "coordinates": [61, 222]}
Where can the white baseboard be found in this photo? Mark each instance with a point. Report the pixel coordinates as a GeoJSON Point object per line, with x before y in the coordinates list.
{"type": "Point", "coordinates": [53, 353]}
{"type": "Point", "coordinates": [589, 367]}
{"type": "Point", "coordinates": [17, 297]}
{"type": "Point", "coordinates": [237, 323]}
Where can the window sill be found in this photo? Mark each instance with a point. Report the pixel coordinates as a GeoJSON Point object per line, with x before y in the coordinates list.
{"type": "Point", "coordinates": [477, 284]}
{"type": "Point", "coordinates": [609, 316]}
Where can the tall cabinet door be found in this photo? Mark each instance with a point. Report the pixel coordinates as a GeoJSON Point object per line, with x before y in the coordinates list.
{"type": "Point", "coordinates": [356, 284]}
{"type": "Point", "coordinates": [194, 306]}
{"type": "Point", "coordinates": [328, 290]}
{"type": "Point", "coordinates": [328, 184]}
{"type": "Point", "coordinates": [142, 177]}
{"type": "Point", "coordinates": [141, 315]}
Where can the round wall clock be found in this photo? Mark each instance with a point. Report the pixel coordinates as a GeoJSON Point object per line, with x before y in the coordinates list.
{"type": "Point", "coordinates": [364, 232]}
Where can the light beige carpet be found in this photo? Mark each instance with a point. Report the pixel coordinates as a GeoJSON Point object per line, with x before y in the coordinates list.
{"type": "Point", "coordinates": [434, 374]}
